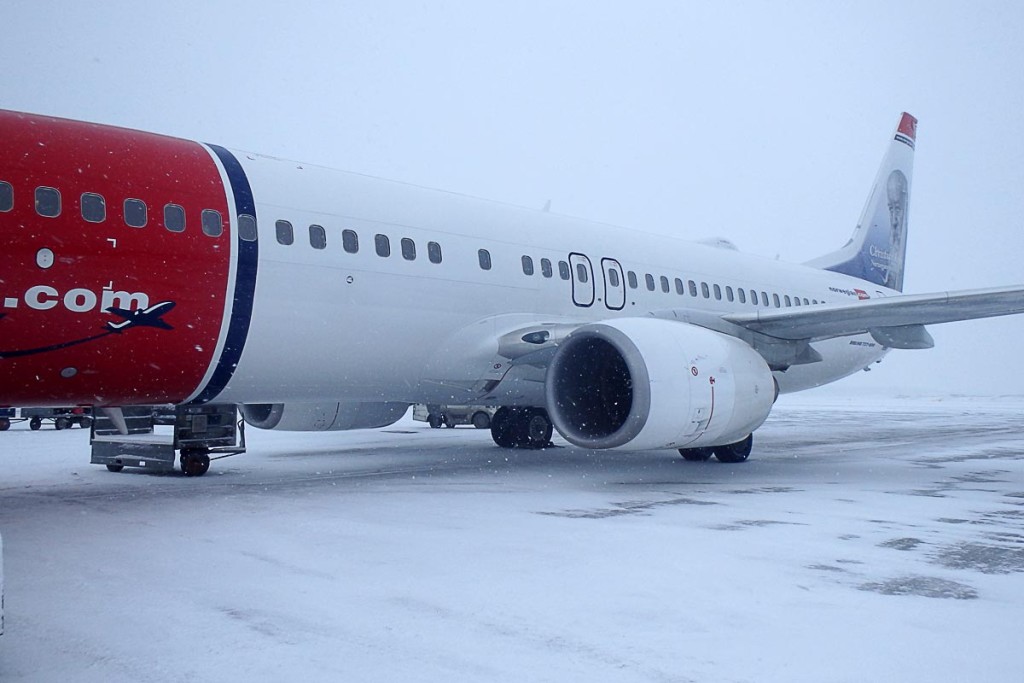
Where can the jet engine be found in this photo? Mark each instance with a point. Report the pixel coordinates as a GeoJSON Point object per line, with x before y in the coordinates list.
{"type": "Point", "coordinates": [322, 417]}
{"type": "Point", "coordinates": [647, 383]}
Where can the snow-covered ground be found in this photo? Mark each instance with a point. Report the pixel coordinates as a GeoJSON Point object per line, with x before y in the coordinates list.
{"type": "Point", "coordinates": [862, 542]}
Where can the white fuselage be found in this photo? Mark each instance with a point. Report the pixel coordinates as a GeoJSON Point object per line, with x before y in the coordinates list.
{"type": "Point", "coordinates": [411, 330]}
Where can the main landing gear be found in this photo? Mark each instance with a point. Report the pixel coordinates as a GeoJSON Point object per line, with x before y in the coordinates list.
{"type": "Point", "coordinates": [730, 452]}
{"type": "Point", "coordinates": [521, 428]}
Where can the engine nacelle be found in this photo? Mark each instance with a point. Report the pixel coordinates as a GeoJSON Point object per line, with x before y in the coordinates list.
{"type": "Point", "coordinates": [647, 383]}
{"type": "Point", "coordinates": [322, 417]}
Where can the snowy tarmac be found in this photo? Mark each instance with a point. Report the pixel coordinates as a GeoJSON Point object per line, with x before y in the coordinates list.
{"type": "Point", "coordinates": [861, 542]}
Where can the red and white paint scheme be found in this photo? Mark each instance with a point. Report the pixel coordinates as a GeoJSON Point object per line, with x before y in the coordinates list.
{"type": "Point", "coordinates": [141, 269]}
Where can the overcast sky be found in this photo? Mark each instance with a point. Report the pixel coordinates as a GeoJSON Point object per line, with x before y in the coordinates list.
{"type": "Point", "coordinates": [761, 122]}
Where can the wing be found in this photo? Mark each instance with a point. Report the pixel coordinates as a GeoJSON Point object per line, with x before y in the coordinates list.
{"type": "Point", "coordinates": [896, 321]}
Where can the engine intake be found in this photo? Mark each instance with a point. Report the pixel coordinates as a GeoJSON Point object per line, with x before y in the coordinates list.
{"type": "Point", "coordinates": [645, 383]}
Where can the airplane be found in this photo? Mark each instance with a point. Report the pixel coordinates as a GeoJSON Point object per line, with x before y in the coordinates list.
{"type": "Point", "coordinates": [150, 317]}
{"type": "Point", "coordinates": [319, 299]}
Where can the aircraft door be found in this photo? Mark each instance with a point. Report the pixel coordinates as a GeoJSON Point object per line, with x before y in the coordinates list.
{"type": "Point", "coordinates": [614, 284]}
{"type": "Point", "coordinates": [582, 280]}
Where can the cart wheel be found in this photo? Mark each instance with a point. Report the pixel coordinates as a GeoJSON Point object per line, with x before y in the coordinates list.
{"type": "Point", "coordinates": [62, 423]}
{"type": "Point", "coordinates": [85, 422]}
{"type": "Point", "coordinates": [115, 468]}
{"type": "Point", "coordinates": [195, 462]}
{"type": "Point", "coordinates": [434, 421]}
{"type": "Point", "coordinates": [5, 424]}
{"type": "Point", "coordinates": [35, 423]}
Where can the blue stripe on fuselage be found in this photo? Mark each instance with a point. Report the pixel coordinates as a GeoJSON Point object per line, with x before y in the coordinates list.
{"type": "Point", "coordinates": [245, 281]}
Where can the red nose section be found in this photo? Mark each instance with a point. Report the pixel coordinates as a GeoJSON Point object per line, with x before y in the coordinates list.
{"type": "Point", "coordinates": [114, 267]}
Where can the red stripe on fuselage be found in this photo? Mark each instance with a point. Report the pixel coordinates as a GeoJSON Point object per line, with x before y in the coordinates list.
{"type": "Point", "coordinates": [46, 313]}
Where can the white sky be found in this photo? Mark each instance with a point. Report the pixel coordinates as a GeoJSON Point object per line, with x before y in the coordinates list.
{"type": "Point", "coordinates": [761, 122]}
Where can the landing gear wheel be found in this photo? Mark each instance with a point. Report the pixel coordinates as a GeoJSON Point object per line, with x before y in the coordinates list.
{"type": "Point", "coordinates": [434, 421]}
{"type": "Point", "coordinates": [696, 454]}
{"type": "Point", "coordinates": [115, 468]}
{"type": "Point", "coordinates": [194, 462]}
{"type": "Point", "coordinates": [533, 429]}
{"type": "Point", "coordinates": [481, 420]}
{"type": "Point", "coordinates": [62, 423]}
{"type": "Point", "coordinates": [501, 428]}
{"type": "Point", "coordinates": [5, 424]}
{"type": "Point", "coordinates": [35, 423]}
{"type": "Point", "coordinates": [735, 452]}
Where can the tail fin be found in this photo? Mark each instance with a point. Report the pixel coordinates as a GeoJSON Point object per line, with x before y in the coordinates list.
{"type": "Point", "coordinates": [877, 251]}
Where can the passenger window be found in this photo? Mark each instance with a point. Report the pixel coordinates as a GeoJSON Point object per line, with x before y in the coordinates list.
{"type": "Point", "coordinates": [796, 300]}
{"type": "Point", "coordinates": [383, 245]}
{"type": "Point", "coordinates": [317, 237]}
{"type": "Point", "coordinates": [527, 265]}
{"type": "Point", "coordinates": [581, 273]}
{"type": "Point", "coordinates": [664, 284]}
{"type": "Point", "coordinates": [213, 225]}
{"type": "Point", "coordinates": [743, 295]}
{"type": "Point", "coordinates": [485, 259]}
{"type": "Point", "coordinates": [285, 234]}
{"type": "Point", "coordinates": [806, 302]}
{"type": "Point", "coordinates": [408, 249]}
{"type": "Point", "coordinates": [679, 287]}
{"type": "Point", "coordinates": [649, 279]}
{"type": "Point", "coordinates": [47, 202]}
{"type": "Point", "coordinates": [247, 227]}
{"type": "Point", "coordinates": [704, 290]}
{"type": "Point", "coordinates": [764, 298]}
{"type": "Point", "coordinates": [718, 293]}
{"type": "Point", "coordinates": [174, 218]}
{"type": "Point", "coordinates": [788, 302]}
{"type": "Point", "coordinates": [350, 241]}
{"type": "Point", "coordinates": [613, 277]}
{"type": "Point", "coordinates": [775, 300]}
{"type": "Point", "coordinates": [693, 287]}
{"type": "Point", "coordinates": [6, 196]}
{"type": "Point", "coordinates": [545, 268]}
{"type": "Point", "coordinates": [563, 270]}
{"type": "Point", "coordinates": [135, 213]}
{"type": "Point", "coordinates": [753, 297]}
{"type": "Point", "coordinates": [94, 209]}
{"type": "Point", "coordinates": [631, 276]}
{"type": "Point", "coordinates": [434, 252]}
{"type": "Point", "coordinates": [728, 293]}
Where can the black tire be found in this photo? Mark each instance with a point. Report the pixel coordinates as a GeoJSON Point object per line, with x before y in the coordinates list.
{"type": "Point", "coordinates": [502, 428]}
{"type": "Point", "coordinates": [735, 452]}
{"type": "Point", "coordinates": [533, 428]}
{"type": "Point", "coordinates": [5, 424]}
{"type": "Point", "coordinates": [481, 420]}
{"type": "Point", "coordinates": [195, 462]}
{"type": "Point", "coordinates": [35, 423]}
{"type": "Point", "coordinates": [696, 454]}
{"type": "Point", "coordinates": [85, 422]}
{"type": "Point", "coordinates": [62, 423]}
{"type": "Point", "coordinates": [434, 421]}
{"type": "Point", "coordinates": [115, 468]}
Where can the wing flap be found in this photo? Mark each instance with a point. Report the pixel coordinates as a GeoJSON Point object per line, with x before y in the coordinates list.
{"type": "Point", "coordinates": [836, 320]}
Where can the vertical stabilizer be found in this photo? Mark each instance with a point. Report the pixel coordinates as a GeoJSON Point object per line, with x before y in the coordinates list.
{"type": "Point", "coordinates": [877, 251]}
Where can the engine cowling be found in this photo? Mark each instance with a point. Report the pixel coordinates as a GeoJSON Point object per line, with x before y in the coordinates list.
{"type": "Point", "coordinates": [322, 417]}
{"type": "Point", "coordinates": [647, 383]}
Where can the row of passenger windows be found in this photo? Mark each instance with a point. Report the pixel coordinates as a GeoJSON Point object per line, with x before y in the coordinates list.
{"type": "Point", "coordinates": [285, 233]}
{"type": "Point", "coordinates": [94, 210]}
{"type": "Point", "coordinates": [136, 215]}
{"type": "Point", "coordinates": [706, 291]}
